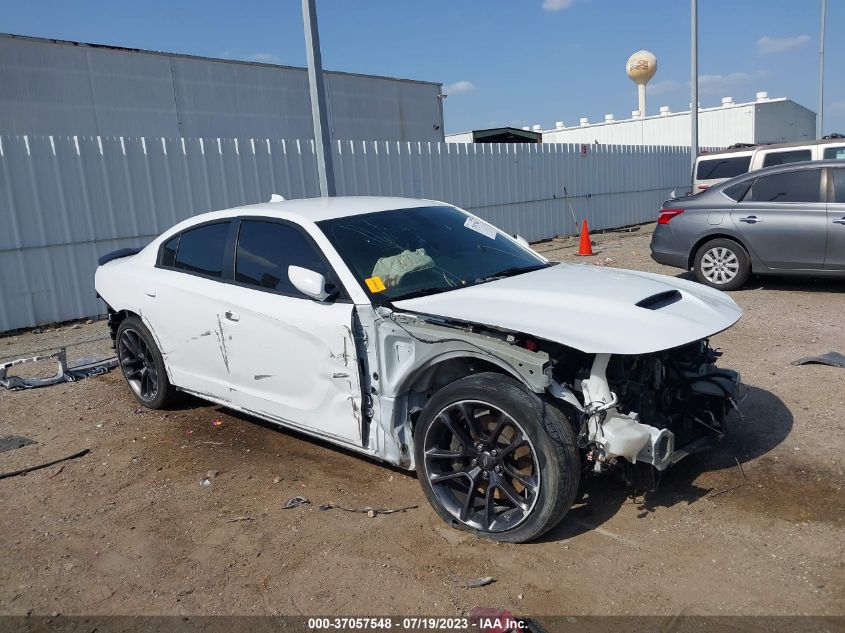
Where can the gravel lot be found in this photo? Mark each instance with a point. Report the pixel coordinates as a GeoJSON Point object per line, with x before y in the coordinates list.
{"type": "Point", "coordinates": [128, 529]}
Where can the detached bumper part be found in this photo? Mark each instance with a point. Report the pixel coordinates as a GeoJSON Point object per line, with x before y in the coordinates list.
{"type": "Point", "coordinates": [63, 372]}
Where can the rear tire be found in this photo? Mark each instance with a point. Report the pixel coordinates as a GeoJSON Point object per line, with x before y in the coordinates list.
{"type": "Point", "coordinates": [496, 460]}
{"type": "Point", "coordinates": [723, 264]}
{"type": "Point", "coordinates": [142, 364]}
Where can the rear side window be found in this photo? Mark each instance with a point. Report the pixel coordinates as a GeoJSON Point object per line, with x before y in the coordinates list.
{"type": "Point", "coordinates": [782, 158]}
{"type": "Point", "coordinates": [201, 250]}
{"type": "Point", "coordinates": [796, 186]}
{"type": "Point", "coordinates": [838, 176]}
{"type": "Point", "coordinates": [835, 152]}
{"type": "Point", "coordinates": [722, 167]}
{"type": "Point", "coordinates": [266, 249]}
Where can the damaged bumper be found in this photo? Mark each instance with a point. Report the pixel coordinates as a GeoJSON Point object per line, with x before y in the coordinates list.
{"type": "Point", "coordinates": [63, 372]}
{"type": "Point", "coordinates": [611, 431]}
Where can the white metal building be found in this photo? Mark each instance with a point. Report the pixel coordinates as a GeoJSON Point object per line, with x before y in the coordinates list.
{"type": "Point", "coordinates": [54, 87]}
{"type": "Point", "coordinates": [761, 121]}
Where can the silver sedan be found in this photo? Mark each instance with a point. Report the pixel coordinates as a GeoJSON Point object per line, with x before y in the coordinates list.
{"type": "Point", "coordinates": [784, 220]}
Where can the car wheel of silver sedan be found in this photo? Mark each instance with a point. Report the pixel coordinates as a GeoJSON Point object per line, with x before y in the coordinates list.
{"type": "Point", "coordinates": [722, 263]}
{"type": "Point", "coordinates": [496, 460]}
{"type": "Point", "coordinates": [142, 364]}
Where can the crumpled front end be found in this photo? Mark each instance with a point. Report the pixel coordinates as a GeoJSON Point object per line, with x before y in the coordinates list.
{"type": "Point", "coordinates": [651, 408]}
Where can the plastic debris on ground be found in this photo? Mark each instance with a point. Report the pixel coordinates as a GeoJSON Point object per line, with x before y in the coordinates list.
{"type": "Point", "coordinates": [11, 442]}
{"type": "Point", "coordinates": [371, 512]}
{"type": "Point", "coordinates": [833, 359]}
{"type": "Point", "coordinates": [295, 502]}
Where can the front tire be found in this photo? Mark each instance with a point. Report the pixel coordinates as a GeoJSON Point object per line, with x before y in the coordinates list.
{"type": "Point", "coordinates": [723, 264]}
{"type": "Point", "coordinates": [142, 364]}
{"type": "Point", "coordinates": [496, 460]}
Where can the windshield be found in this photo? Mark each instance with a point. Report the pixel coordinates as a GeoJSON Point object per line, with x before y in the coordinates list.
{"type": "Point", "coordinates": [425, 250]}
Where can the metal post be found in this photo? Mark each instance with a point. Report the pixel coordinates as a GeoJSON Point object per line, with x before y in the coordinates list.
{"type": "Point", "coordinates": [319, 115]}
{"type": "Point", "coordinates": [820, 118]}
{"type": "Point", "coordinates": [693, 149]}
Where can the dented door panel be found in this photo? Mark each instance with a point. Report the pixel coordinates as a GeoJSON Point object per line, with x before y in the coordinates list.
{"type": "Point", "coordinates": [184, 314]}
{"type": "Point", "coordinates": [293, 360]}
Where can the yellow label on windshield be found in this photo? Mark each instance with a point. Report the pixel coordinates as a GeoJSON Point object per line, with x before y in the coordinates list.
{"type": "Point", "coordinates": [375, 284]}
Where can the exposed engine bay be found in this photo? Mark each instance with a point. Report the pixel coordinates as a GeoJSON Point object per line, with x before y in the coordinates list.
{"type": "Point", "coordinates": [652, 408]}
{"type": "Point", "coordinates": [645, 409]}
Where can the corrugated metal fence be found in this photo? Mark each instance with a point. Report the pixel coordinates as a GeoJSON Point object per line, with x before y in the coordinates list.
{"type": "Point", "coordinates": [66, 200]}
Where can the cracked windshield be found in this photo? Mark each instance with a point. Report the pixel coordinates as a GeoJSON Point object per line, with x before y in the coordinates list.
{"type": "Point", "coordinates": [425, 250]}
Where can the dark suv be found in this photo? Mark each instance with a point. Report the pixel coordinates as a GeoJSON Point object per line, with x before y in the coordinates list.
{"type": "Point", "coordinates": [782, 220]}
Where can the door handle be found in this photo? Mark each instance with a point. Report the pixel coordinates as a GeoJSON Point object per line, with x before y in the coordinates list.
{"type": "Point", "coordinates": [839, 221]}
{"type": "Point", "coordinates": [150, 292]}
{"type": "Point", "coordinates": [751, 219]}
{"type": "Point", "coordinates": [232, 316]}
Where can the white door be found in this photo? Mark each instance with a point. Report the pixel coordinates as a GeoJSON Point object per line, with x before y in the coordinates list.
{"type": "Point", "coordinates": [182, 306]}
{"type": "Point", "coordinates": [291, 358]}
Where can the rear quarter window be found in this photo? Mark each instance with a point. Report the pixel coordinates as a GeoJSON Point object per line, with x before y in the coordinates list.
{"type": "Point", "coordinates": [168, 252]}
{"type": "Point", "coordinates": [737, 192]}
{"type": "Point", "coordinates": [838, 177]}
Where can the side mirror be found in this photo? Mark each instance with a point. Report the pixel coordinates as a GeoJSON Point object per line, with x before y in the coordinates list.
{"type": "Point", "coordinates": [522, 241]}
{"type": "Point", "coordinates": [311, 284]}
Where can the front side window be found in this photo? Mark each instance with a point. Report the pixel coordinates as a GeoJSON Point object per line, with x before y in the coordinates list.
{"type": "Point", "coordinates": [712, 168]}
{"type": "Point", "coordinates": [782, 158]}
{"type": "Point", "coordinates": [413, 252]}
{"type": "Point", "coordinates": [201, 250]}
{"type": "Point", "coordinates": [797, 186]}
{"type": "Point", "coordinates": [267, 249]}
{"type": "Point", "coordinates": [835, 152]}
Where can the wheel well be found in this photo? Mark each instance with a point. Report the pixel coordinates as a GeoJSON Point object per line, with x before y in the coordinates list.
{"type": "Point", "coordinates": [707, 238]}
{"type": "Point", "coordinates": [434, 377]}
{"type": "Point", "coordinates": [116, 317]}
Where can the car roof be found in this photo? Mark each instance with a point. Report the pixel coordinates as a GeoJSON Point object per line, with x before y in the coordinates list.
{"type": "Point", "coordinates": [775, 169]}
{"type": "Point", "coordinates": [804, 164]}
{"type": "Point", "coordinates": [750, 147]}
{"type": "Point", "coordinates": [307, 210]}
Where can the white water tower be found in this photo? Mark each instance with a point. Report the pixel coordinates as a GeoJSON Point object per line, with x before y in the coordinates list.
{"type": "Point", "coordinates": [641, 67]}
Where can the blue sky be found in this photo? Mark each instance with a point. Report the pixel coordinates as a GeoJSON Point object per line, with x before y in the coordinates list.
{"type": "Point", "coordinates": [504, 62]}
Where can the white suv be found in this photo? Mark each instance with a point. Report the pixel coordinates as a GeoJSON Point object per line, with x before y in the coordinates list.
{"type": "Point", "coordinates": [713, 168]}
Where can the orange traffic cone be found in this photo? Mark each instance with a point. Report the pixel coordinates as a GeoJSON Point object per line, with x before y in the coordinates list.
{"type": "Point", "coordinates": [585, 247]}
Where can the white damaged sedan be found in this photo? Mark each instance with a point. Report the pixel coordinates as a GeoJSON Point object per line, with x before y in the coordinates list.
{"type": "Point", "coordinates": [419, 334]}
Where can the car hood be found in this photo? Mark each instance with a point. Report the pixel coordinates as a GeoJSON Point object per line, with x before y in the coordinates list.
{"type": "Point", "coordinates": [593, 309]}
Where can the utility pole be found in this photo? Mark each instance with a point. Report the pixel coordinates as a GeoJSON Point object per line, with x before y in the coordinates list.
{"type": "Point", "coordinates": [820, 117]}
{"type": "Point", "coordinates": [322, 135]}
{"type": "Point", "coordinates": [693, 139]}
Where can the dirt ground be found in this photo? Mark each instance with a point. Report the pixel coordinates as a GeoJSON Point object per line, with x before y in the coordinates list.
{"type": "Point", "coordinates": [128, 529]}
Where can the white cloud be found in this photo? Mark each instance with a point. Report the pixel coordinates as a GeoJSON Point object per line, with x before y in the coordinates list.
{"type": "Point", "coordinates": [767, 45]}
{"type": "Point", "coordinates": [557, 5]}
{"type": "Point", "coordinates": [667, 86]}
{"type": "Point", "coordinates": [458, 87]}
{"type": "Point", "coordinates": [723, 84]}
